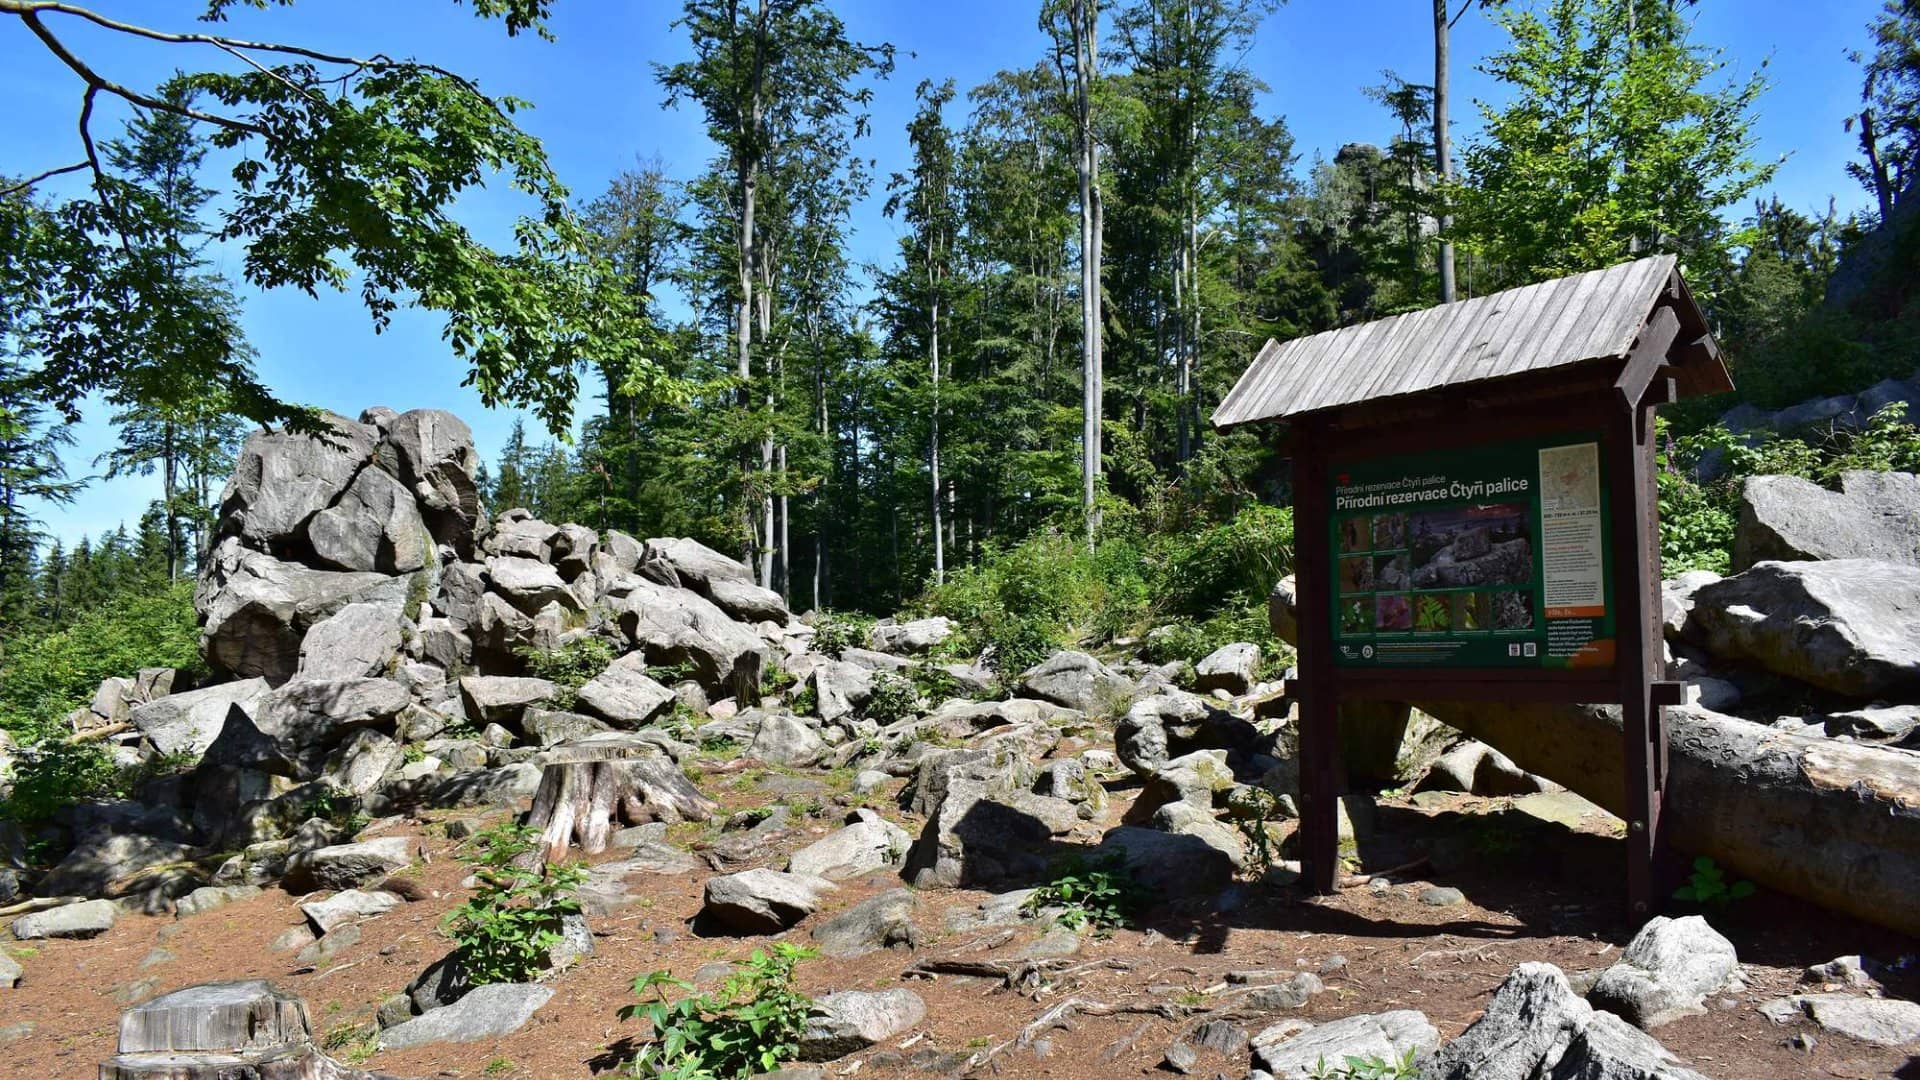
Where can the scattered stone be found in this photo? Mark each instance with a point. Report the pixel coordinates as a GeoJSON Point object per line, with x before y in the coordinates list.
{"type": "Point", "coordinates": [1666, 972]}
{"type": "Point", "coordinates": [1077, 681]}
{"type": "Point", "coordinates": [348, 866]}
{"type": "Point", "coordinates": [1294, 1050]}
{"type": "Point", "coordinates": [98, 865]}
{"type": "Point", "coordinates": [294, 938]}
{"type": "Point", "coordinates": [879, 922]}
{"type": "Point", "coordinates": [10, 971]}
{"type": "Point", "coordinates": [853, 1020]}
{"type": "Point", "coordinates": [784, 739]}
{"type": "Point", "coordinates": [1442, 896]}
{"type": "Point", "coordinates": [323, 949]}
{"type": "Point", "coordinates": [1222, 1037]}
{"type": "Point", "coordinates": [208, 897]}
{"type": "Point", "coordinates": [347, 906]}
{"type": "Point", "coordinates": [1172, 864]}
{"type": "Point", "coordinates": [913, 638]}
{"type": "Point", "coordinates": [1535, 1026]}
{"type": "Point", "coordinates": [868, 843]}
{"type": "Point", "coordinates": [1296, 991]}
{"type": "Point", "coordinates": [625, 694]}
{"type": "Point", "coordinates": [187, 723]}
{"type": "Point", "coordinates": [1181, 1058]}
{"type": "Point", "coordinates": [1881, 1021]}
{"type": "Point", "coordinates": [485, 1012]}
{"type": "Point", "coordinates": [761, 901]}
{"type": "Point", "coordinates": [1853, 972]}
{"type": "Point", "coordinates": [1233, 668]}
{"type": "Point", "coordinates": [493, 699]}
{"type": "Point", "coordinates": [83, 920]}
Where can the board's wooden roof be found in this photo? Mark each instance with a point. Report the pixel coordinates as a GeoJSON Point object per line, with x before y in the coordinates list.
{"type": "Point", "coordinates": [1521, 331]}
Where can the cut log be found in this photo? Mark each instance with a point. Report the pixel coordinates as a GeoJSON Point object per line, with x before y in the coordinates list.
{"type": "Point", "coordinates": [1831, 822]}
{"type": "Point", "coordinates": [585, 783]}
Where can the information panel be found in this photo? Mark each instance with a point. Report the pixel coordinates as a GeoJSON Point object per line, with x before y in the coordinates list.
{"type": "Point", "coordinates": [1486, 557]}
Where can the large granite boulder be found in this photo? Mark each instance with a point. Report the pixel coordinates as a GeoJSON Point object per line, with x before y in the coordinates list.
{"type": "Point", "coordinates": [625, 693]}
{"type": "Point", "coordinates": [1536, 1026]}
{"type": "Point", "coordinates": [1874, 515]}
{"type": "Point", "coordinates": [980, 832]}
{"type": "Point", "coordinates": [673, 626]}
{"type": "Point", "coordinates": [690, 564]}
{"type": "Point", "coordinates": [433, 456]}
{"type": "Point", "coordinates": [1666, 972]}
{"type": "Point", "coordinates": [99, 864]}
{"type": "Point", "coordinates": [359, 640]}
{"type": "Point", "coordinates": [852, 1020]}
{"type": "Point", "coordinates": [868, 843]}
{"type": "Point", "coordinates": [187, 723]}
{"type": "Point", "coordinates": [1851, 626]}
{"type": "Point", "coordinates": [254, 609]}
{"type": "Point", "coordinates": [916, 636]}
{"type": "Point", "coordinates": [1077, 681]}
{"type": "Point", "coordinates": [760, 901]}
{"type": "Point", "coordinates": [373, 525]}
{"type": "Point", "coordinates": [307, 718]}
{"type": "Point", "coordinates": [281, 480]}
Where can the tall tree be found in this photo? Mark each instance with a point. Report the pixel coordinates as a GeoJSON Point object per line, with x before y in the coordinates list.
{"type": "Point", "coordinates": [1888, 123]}
{"type": "Point", "coordinates": [1074, 26]}
{"type": "Point", "coordinates": [1617, 139]}
{"type": "Point", "coordinates": [1443, 138]}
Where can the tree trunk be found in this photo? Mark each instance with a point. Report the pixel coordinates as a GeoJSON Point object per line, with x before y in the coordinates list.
{"type": "Point", "coordinates": [933, 452]}
{"type": "Point", "coordinates": [584, 784]}
{"type": "Point", "coordinates": [1443, 157]}
{"type": "Point", "coordinates": [1831, 822]}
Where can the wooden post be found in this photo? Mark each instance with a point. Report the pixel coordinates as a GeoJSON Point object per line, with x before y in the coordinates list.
{"type": "Point", "coordinates": [1629, 456]}
{"type": "Point", "coordinates": [1319, 704]}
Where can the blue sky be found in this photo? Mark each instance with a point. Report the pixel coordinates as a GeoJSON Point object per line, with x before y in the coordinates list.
{"type": "Point", "coordinates": [598, 108]}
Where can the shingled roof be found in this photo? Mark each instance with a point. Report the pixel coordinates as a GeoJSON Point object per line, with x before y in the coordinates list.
{"type": "Point", "coordinates": [1570, 320]}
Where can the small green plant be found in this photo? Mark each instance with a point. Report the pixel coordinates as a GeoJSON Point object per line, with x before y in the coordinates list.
{"type": "Point", "coordinates": [806, 700]}
{"type": "Point", "coordinates": [506, 931]}
{"type": "Point", "coordinates": [750, 1026]}
{"type": "Point", "coordinates": [775, 679]}
{"type": "Point", "coordinates": [53, 774]}
{"type": "Point", "coordinates": [570, 666]}
{"type": "Point", "coordinates": [1090, 892]}
{"type": "Point", "coordinates": [1369, 1067]}
{"type": "Point", "coordinates": [834, 634]}
{"type": "Point", "coordinates": [1708, 886]}
{"type": "Point", "coordinates": [338, 809]}
{"type": "Point", "coordinates": [719, 745]}
{"type": "Point", "coordinates": [1258, 809]}
{"type": "Point", "coordinates": [894, 699]}
{"type": "Point", "coordinates": [669, 674]}
{"type": "Point", "coordinates": [499, 1067]}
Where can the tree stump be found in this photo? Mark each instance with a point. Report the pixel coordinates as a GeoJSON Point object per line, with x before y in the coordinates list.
{"type": "Point", "coordinates": [585, 783]}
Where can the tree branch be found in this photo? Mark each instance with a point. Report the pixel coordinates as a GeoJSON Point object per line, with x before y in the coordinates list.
{"type": "Point", "coordinates": [35, 179]}
{"type": "Point", "coordinates": [95, 81]}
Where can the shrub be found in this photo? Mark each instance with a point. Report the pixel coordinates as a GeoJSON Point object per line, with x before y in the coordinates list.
{"type": "Point", "coordinates": [506, 931]}
{"type": "Point", "coordinates": [894, 699]}
{"type": "Point", "coordinates": [750, 1026]}
{"type": "Point", "coordinates": [50, 673]}
{"type": "Point", "coordinates": [1098, 892]}
{"type": "Point", "coordinates": [570, 666]}
{"type": "Point", "coordinates": [1233, 565]}
{"type": "Point", "coordinates": [52, 774]}
{"type": "Point", "coordinates": [1369, 1067]}
{"type": "Point", "coordinates": [836, 632]}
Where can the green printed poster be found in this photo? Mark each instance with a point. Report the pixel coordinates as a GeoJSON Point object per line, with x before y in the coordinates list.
{"type": "Point", "coordinates": [1491, 556]}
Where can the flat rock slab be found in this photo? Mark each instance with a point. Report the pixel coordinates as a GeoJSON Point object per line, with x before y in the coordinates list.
{"type": "Point", "coordinates": [853, 1020]}
{"type": "Point", "coordinates": [208, 897]}
{"type": "Point", "coordinates": [878, 922]}
{"type": "Point", "coordinates": [220, 1017]}
{"type": "Point", "coordinates": [82, 920]}
{"type": "Point", "coordinates": [485, 1012]}
{"type": "Point", "coordinates": [1851, 626]}
{"type": "Point", "coordinates": [1882, 1021]}
{"type": "Point", "coordinates": [870, 843]}
{"type": "Point", "coordinates": [761, 901]}
{"type": "Point", "coordinates": [348, 905]}
{"type": "Point", "coordinates": [1387, 1036]}
{"type": "Point", "coordinates": [1559, 808]}
{"type": "Point", "coordinates": [349, 866]}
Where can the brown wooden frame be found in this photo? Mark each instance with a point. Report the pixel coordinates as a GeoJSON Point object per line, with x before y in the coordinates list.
{"type": "Point", "coordinates": [1616, 397]}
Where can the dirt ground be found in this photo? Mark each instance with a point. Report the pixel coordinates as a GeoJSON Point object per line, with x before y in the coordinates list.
{"type": "Point", "coordinates": [1533, 891]}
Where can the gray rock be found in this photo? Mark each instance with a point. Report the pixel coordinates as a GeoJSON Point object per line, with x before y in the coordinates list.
{"type": "Point", "coordinates": [506, 786]}
{"type": "Point", "coordinates": [878, 922]}
{"type": "Point", "coordinates": [435, 459]}
{"type": "Point", "coordinates": [690, 564]}
{"type": "Point", "coordinates": [910, 638]}
{"type": "Point", "coordinates": [868, 843]}
{"type": "Point", "coordinates": [1874, 515]}
{"type": "Point", "coordinates": [501, 699]}
{"type": "Point", "coordinates": [83, 920]}
{"type": "Point", "coordinates": [784, 739]}
{"type": "Point", "coordinates": [674, 626]}
{"type": "Point", "coordinates": [853, 1020]}
{"type": "Point", "coordinates": [187, 723]}
{"type": "Point", "coordinates": [98, 862]}
{"type": "Point", "coordinates": [1666, 972]}
{"type": "Point", "coordinates": [281, 480]}
{"type": "Point", "coordinates": [254, 609]}
{"type": "Point", "coordinates": [349, 866]}
{"type": "Point", "coordinates": [761, 901]}
{"type": "Point", "coordinates": [1233, 668]}
{"type": "Point", "coordinates": [358, 640]}
{"type": "Point", "coordinates": [348, 905]}
{"type": "Point", "coordinates": [1077, 681]}
{"type": "Point", "coordinates": [1292, 993]}
{"type": "Point", "coordinates": [485, 1012]}
{"type": "Point", "coordinates": [981, 833]}
{"type": "Point", "coordinates": [1535, 1026]}
{"type": "Point", "coordinates": [840, 688]}
{"type": "Point", "coordinates": [1855, 972]}
{"type": "Point", "coordinates": [1442, 896]}
{"type": "Point", "coordinates": [323, 950]}
{"type": "Point", "coordinates": [1676, 600]}
{"type": "Point", "coordinates": [529, 584]}
{"type": "Point", "coordinates": [1292, 1053]}
{"type": "Point", "coordinates": [550, 726]}
{"type": "Point", "coordinates": [1850, 626]}
{"type": "Point", "coordinates": [208, 897]}
{"type": "Point", "coordinates": [1193, 779]}
{"type": "Point", "coordinates": [746, 601]}
{"type": "Point", "coordinates": [1173, 864]}
{"type": "Point", "coordinates": [1882, 1021]}
{"type": "Point", "coordinates": [10, 971]}
{"type": "Point", "coordinates": [375, 525]}
{"type": "Point", "coordinates": [1181, 1058]}
{"type": "Point", "coordinates": [1891, 724]}
{"type": "Point", "coordinates": [1478, 769]}
{"type": "Point", "coordinates": [625, 694]}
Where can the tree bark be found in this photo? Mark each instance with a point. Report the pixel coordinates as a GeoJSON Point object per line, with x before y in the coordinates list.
{"type": "Point", "coordinates": [584, 784]}
{"type": "Point", "coordinates": [1831, 822]}
{"type": "Point", "coordinates": [1443, 157]}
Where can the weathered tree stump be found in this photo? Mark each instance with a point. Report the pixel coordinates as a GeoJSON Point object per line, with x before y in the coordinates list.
{"type": "Point", "coordinates": [586, 782]}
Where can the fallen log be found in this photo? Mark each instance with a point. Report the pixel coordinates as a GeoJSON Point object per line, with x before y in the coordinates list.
{"type": "Point", "coordinates": [585, 783]}
{"type": "Point", "coordinates": [1832, 822]}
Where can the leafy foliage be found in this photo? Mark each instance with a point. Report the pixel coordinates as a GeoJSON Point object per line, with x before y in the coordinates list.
{"type": "Point", "coordinates": [749, 1026]}
{"type": "Point", "coordinates": [48, 673]}
{"type": "Point", "coordinates": [895, 698]}
{"type": "Point", "coordinates": [835, 632]}
{"type": "Point", "coordinates": [506, 930]}
{"type": "Point", "coordinates": [1099, 892]}
{"type": "Point", "coordinates": [1368, 1067]}
{"type": "Point", "coordinates": [1708, 886]}
{"type": "Point", "coordinates": [570, 666]}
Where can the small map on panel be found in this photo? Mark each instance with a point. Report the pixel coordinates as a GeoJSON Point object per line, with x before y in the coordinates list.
{"type": "Point", "coordinates": [1570, 478]}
